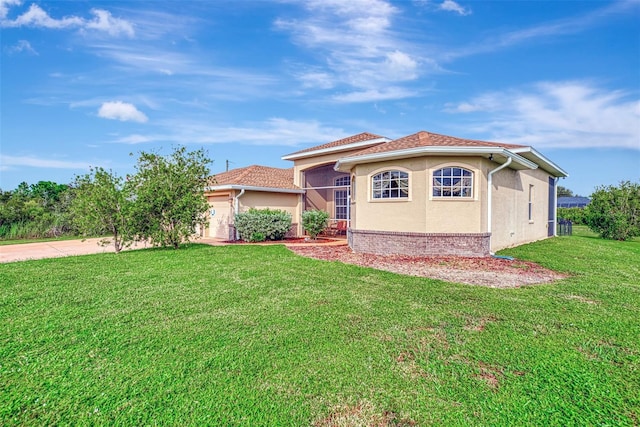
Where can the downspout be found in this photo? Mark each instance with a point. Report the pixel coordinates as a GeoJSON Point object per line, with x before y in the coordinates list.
{"type": "Point", "coordinates": [555, 206]}
{"type": "Point", "coordinates": [236, 209]}
{"type": "Point", "coordinates": [489, 196]}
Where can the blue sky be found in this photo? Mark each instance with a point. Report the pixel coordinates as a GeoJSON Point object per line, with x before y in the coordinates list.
{"type": "Point", "coordinates": [87, 83]}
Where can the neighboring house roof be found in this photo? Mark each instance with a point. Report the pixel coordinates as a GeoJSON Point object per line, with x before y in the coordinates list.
{"type": "Point", "coordinates": [361, 140]}
{"type": "Point", "coordinates": [427, 143]}
{"type": "Point", "coordinates": [256, 178]}
{"type": "Point", "coordinates": [573, 202]}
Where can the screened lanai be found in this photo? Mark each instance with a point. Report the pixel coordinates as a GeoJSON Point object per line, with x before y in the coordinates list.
{"type": "Point", "coordinates": [328, 190]}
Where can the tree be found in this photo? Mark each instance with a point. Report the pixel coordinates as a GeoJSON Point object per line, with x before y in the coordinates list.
{"type": "Point", "coordinates": [564, 192]}
{"type": "Point", "coordinates": [169, 191]}
{"type": "Point", "coordinates": [103, 203]}
{"type": "Point", "coordinates": [614, 212]}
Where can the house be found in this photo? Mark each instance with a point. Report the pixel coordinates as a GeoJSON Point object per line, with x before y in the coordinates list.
{"type": "Point", "coordinates": [423, 194]}
{"type": "Point", "coordinates": [573, 202]}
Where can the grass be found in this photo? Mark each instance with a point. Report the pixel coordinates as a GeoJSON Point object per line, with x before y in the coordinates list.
{"type": "Point", "coordinates": [257, 336]}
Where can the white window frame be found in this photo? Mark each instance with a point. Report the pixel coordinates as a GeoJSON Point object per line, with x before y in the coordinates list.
{"type": "Point", "coordinates": [342, 194]}
{"type": "Point", "coordinates": [390, 184]}
{"type": "Point", "coordinates": [447, 184]}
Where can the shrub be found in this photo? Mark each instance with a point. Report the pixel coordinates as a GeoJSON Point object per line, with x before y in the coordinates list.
{"type": "Point", "coordinates": [614, 212]}
{"type": "Point", "coordinates": [575, 215]}
{"type": "Point", "coordinates": [271, 224]}
{"type": "Point", "coordinates": [257, 237]}
{"type": "Point", "coordinates": [314, 222]}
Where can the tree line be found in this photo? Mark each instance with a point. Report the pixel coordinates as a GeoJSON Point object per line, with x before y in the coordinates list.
{"type": "Point", "coordinates": [162, 203]}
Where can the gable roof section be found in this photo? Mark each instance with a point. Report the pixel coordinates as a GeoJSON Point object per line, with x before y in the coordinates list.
{"type": "Point", "coordinates": [361, 140]}
{"type": "Point", "coordinates": [427, 143]}
{"type": "Point", "coordinates": [256, 178]}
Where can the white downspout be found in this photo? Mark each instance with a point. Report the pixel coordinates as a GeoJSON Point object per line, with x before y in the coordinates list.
{"type": "Point", "coordinates": [555, 206]}
{"type": "Point", "coordinates": [236, 209]}
{"type": "Point", "coordinates": [489, 196]}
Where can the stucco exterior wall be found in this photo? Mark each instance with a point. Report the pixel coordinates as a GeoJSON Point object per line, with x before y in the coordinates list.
{"type": "Point", "coordinates": [221, 222]}
{"type": "Point", "coordinates": [420, 212]}
{"type": "Point", "coordinates": [510, 225]}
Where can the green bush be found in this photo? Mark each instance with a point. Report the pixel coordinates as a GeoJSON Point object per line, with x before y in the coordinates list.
{"type": "Point", "coordinates": [270, 224]}
{"type": "Point", "coordinates": [575, 215]}
{"type": "Point", "coordinates": [614, 212]}
{"type": "Point", "coordinates": [314, 222]}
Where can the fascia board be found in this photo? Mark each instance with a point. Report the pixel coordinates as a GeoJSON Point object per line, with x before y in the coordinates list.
{"type": "Point", "coordinates": [337, 149]}
{"type": "Point", "coordinates": [254, 188]}
{"type": "Point", "coordinates": [346, 163]}
{"type": "Point", "coordinates": [543, 161]}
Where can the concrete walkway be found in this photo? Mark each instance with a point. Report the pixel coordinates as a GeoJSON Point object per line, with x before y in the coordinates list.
{"type": "Point", "coordinates": [62, 248]}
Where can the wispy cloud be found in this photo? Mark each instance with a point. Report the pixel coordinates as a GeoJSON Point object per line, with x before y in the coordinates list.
{"type": "Point", "coordinates": [452, 6]}
{"type": "Point", "coordinates": [22, 46]}
{"type": "Point", "coordinates": [36, 162]}
{"type": "Point", "coordinates": [35, 16]}
{"type": "Point", "coordinates": [360, 49]}
{"type": "Point", "coordinates": [275, 131]}
{"type": "Point", "coordinates": [544, 30]}
{"type": "Point", "coordinates": [123, 111]}
{"type": "Point", "coordinates": [557, 114]}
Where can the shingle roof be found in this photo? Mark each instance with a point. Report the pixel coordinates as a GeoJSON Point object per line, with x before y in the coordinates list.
{"type": "Point", "coordinates": [361, 137]}
{"type": "Point", "coordinates": [428, 139]}
{"type": "Point", "coordinates": [256, 176]}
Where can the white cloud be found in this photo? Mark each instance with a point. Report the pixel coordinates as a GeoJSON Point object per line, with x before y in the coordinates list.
{"type": "Point", "coordinates": [22, 46]}
{"type": "Point", "coordinates": [35, 162]}
{"type": "Point", "coordinates": [134, 139]}
{"type": "Point", "coordinates": [275, 131]}
{"type": "Point", "coordinates": [358, 46]}
{"type": "Point", "coordinates": [452, 6]}
{"type": "Point", "coordinates": [5, 4]}
{"type": "Point", "coordinates": [37, 17]}
{"type": "Point", "coordinates": [572, 25]}
{"type": "Point", "coordinates": [103, 21]}
{"type": "Point", "coordinates": [375, 95]}
{"type": "Point", "coordinates": [122, 111]}
{"type": "Point", "coordinates": [557, 114]}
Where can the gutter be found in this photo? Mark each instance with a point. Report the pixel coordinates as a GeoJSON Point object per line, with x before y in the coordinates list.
{"type": "Point", "coordinates": [253, 188]}
{"type": "Point", "coordinates": [346, 163]}
{"type": "Point", "coordinates": [489, 196]}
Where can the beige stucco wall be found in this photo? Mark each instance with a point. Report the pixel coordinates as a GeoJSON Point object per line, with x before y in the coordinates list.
{"type": "Point", "coordinates": [420, 212]}
{"type": "Point", "coordinates": [261, 200]}
{"type": "Point", "coordinates": [423, 213]}
{"type": "Point", "coordinates": [223, 204]}
{"type": "Point", "coordinates": [510, 225]}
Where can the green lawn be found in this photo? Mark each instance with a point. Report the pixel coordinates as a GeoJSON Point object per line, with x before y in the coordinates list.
{"type": "Point", "coordinates": [257, 336]}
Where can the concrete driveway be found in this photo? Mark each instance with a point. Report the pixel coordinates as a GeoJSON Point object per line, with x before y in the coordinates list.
{"type": "Point", "coordinates": [62, 248]}
{"type": "Point", "coordinates": [54, 249]}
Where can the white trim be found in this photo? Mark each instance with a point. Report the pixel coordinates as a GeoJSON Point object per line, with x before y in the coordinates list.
{"type": "Point", "coordinates": [541, 160]}
{"type": "Point", "coordinates": [253, 188]}
{"type": "Point", "coordinates": [346, 163]}
{"type": "Point", "coordinates": [338, 148]}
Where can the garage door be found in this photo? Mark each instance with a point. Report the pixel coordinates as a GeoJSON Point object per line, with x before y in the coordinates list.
{"type": "Point", "coordinates": [219, 216]}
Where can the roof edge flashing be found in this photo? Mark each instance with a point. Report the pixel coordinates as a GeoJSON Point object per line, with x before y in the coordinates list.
{"type": "Point", "coordinates": [253, 188]}
{"type": "Point", "coordinates": [336, 149]}
{"type": "Point", "coordinates": [344, 164]}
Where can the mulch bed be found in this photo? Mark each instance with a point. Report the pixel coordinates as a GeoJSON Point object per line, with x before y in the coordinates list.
{"type": "Point", "coordinates": [490, 272]}
{"type": "Point", "coordinates": [287, 241]}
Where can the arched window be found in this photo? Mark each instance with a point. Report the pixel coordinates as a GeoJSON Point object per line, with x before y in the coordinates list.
{"type": "Point", "coordinates": [390, 185]}
{"type": "Point", "coordinates": [343, 181]}
{"type": "Point", "coordinates": [452, 182]}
